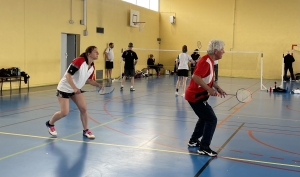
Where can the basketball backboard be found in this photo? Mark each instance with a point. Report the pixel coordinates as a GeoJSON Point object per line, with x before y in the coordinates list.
{"type": "Point", "coordinates": [134, 17]}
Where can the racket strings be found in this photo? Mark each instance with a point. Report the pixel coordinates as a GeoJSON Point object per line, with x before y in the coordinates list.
{"type": "Point", "coordinates": [244, 96]}
{"type": "Point", "coordinates": [199, 45]}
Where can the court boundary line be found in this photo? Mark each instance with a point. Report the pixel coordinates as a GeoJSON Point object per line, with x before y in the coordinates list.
{"type": "Point", "coordinates": [44, 144]}
{"type": "Point", "coordinates": [251, 135]}
{"type": "Point", "coordinates": [152, 149]}
{"type": "Point", "coordinates": [219, 150]}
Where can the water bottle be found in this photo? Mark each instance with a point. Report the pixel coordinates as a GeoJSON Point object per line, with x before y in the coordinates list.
{"type": "Point", "coordinates": [19, 71]}
{"type": "Point", "coordinates": [287, 89]}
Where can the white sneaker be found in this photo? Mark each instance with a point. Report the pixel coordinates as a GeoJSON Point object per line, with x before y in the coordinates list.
{"type": "Point", "coordinates": [51, 129]}
{"type": "Point", "coordinates": [88, 134]}
{"type": "Point", "coordinates": [176, 94]}
{"type": "Point", "coordinates": [183, 95]}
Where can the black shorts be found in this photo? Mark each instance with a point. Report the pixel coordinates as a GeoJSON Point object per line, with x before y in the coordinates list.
{"type": "Point", "coordinates": [64, 94]}
{"type": "Point", "coordinates": [109, 65]}
{"type": "Point", "coordinates": [183, 72]}
{"type": "Point", "coordinates": [129, 72]}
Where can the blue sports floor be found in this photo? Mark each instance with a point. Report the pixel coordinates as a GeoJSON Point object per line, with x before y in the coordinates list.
{"type": "Point", "coordinates": [145, 133]}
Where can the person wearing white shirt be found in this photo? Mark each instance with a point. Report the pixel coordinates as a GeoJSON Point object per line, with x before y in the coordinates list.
{"type": "Point", "coordinates": [109, 60]}
{"type": "Point", "coordinates": [183, 69]}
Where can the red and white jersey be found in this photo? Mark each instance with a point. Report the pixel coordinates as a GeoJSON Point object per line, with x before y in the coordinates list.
{"type": "Point", "coordinates": [205, 70]}
{"type": "Point", "coordinates": [79, 69]}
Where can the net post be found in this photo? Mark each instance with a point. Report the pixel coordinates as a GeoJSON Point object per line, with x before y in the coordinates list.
{"type": "Point", "coordinates": [262, 87]}
{"type": "Point", "coordinates": [282, 70]}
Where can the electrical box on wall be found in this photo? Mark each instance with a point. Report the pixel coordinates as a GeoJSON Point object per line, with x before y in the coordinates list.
{"type": "Point", "coordinates": [172, 19]}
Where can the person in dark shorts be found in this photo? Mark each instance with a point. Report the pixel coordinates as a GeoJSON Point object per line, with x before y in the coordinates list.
{"type": "Point", "coordinates": [80, 71]}
{"type": "Point", "coordinates": [183, 69]}
{"type": "Point", "coordinates": [109, 60]}
{"type": "Point", "coordinates": [130, 58]}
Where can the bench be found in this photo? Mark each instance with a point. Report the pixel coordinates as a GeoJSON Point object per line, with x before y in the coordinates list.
{"type": "Point", "coordinates": [149, 68]}
{"type": "Point", "coordinates": [11, 79]}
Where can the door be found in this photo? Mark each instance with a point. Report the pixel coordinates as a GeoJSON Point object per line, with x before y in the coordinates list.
{"type": "Point", "coordinates": [68, 51]}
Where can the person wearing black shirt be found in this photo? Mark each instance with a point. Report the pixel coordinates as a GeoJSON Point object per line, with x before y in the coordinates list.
{"type": "Point", "coordinates": [151, 64]}
{"type": "Point", "coordinates": [288, 65]}
{"type": "Point", "coordinates": [195, 56]}
{"type": "Point", "coordinates": [130, 58]}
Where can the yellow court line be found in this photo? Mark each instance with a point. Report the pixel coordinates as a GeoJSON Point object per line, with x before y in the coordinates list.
{"type": "Point", "coordinates": [31, 136]}
{"type": "Point", "coordinates": [262, 162]}
{"type": "Point", "coordinates": [181, 152]}
{"type": "Point", "coordinates": [57, 139]}
{"type": "Point", "coordinates": [127, 146]}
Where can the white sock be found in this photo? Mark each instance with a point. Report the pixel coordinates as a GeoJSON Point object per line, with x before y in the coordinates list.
{"type": "Point", "coordinates": [131, 86]}
{"type": "Point", "coordinates": [122, 85]}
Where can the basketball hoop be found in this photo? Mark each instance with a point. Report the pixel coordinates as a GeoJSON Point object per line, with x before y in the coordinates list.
{"type": "Point", "coordinates": [140, 24]}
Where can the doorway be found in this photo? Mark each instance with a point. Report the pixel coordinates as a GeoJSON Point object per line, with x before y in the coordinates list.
{"type": "Point", "coordinates": [69, 50]}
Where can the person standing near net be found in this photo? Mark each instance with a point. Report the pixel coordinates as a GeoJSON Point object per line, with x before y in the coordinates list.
{"type": "Point", "coordinates": [80, 71]}
{"type": "Point", "coordinates": [109, 60]}
{"type": "Point", "coordinates": [195, 56]}
{"type": "Point", "coordinates": [130, 58]}
{"type": "Point", "coordinates": [197, 94]}
{"type": "Point", "coordinates": [288, 65]}
{"type": "Point", "coordinates": [183, 69]}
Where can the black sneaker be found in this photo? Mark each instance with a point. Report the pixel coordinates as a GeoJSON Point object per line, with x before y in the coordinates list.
{"type": "Point", "coordinates": [121, 88]}
{"type": "Point", "coordinates": [194, 143]}
{"type": "Point", "coordinates": [132, 89]}
{"type": "Point", "coordinates": [207, 151]}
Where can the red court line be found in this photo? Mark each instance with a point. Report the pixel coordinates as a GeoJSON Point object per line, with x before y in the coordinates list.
{"type": "Point", "coordinates": [255, 154]}
{"type": "Point", "coordinates": [287, 107]}
{"type": "Point", "coordinates": [236, 151]}
{"type": "Point", "coordinates": [155, 133]}
{"type": "Point", "coordinates": [184, 150]}
{"type": "Point", "coordinates": [263, 131]}
{"type": "Point", "coordinates": [251, 135]}
{"type": "Point", "coordinates": [105, 109]}
{"type": "Point", "coordinates": [104, 106]}
{"type": "Point", "coordinates": [27, 107]}
{"type": "Point", "coordinates": [296, 160]}
{"type": "Point", "coordinates": [277, 158]}
{"type": "Point", "coordinates": [235, 110]}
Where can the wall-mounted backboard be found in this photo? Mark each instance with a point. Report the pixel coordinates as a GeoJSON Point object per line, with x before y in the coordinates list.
{"type": "Point", "coordinates": [134, 17]}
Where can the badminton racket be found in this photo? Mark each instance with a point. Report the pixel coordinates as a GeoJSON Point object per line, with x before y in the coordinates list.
{"type": "Point", "coordinates": [102, 91]}
{"type": "Point", "coordinates": [242, 95]}
{"type": "Point", "coordinates": [199, 45]}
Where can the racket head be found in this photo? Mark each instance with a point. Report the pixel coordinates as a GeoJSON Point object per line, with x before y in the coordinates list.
{"type": "Point", "coordinates": [106, 90]}
{"type": "Point", "coordinates": [199, 45]}
{"type": "Point", "coordinates": [244, 95]}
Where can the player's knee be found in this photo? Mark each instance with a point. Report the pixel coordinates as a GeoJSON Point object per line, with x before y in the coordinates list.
{"type": "Point", "coordinates": [83, 109]}
{"type": "Point", "coordinates": [64, 113]}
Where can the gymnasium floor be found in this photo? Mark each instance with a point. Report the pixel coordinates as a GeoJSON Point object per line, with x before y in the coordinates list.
{"type": "Point", "coordinates": [145, 133]}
